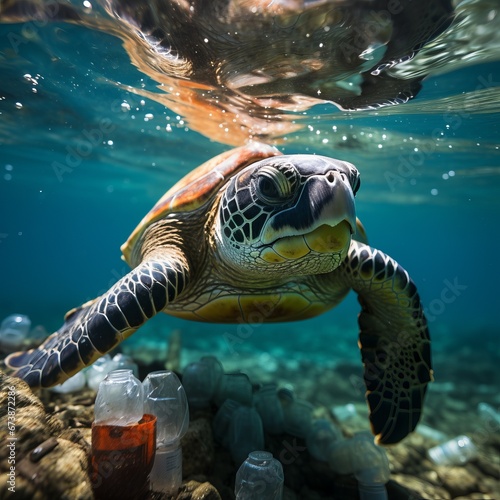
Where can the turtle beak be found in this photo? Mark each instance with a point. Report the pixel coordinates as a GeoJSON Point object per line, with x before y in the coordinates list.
{"type": "Point", "coordinates": [326, 201]}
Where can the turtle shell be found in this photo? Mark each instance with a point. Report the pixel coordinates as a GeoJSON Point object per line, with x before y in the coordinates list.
{"type": "Point", "coordinates": [197, 187]}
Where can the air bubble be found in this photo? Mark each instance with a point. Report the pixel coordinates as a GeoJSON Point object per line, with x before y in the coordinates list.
{"type": "Point", "coordinates": [19, 105]}
{"type": "Point", "coordinates": [434, 192]}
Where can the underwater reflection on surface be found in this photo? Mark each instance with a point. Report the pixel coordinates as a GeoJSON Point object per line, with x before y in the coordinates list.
{"type": "Point", "coordinates": [250, 69]}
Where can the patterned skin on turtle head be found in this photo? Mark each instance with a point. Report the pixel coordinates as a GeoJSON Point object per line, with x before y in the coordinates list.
{"type": "Point", "coordinates": [287, 213]}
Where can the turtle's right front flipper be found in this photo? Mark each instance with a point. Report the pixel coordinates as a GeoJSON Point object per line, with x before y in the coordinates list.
{"type": "Point", "coordinates": [97, 327]}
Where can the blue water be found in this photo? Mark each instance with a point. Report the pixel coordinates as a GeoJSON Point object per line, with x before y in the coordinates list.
{"type": "Point", "coordinates": [78, 170]}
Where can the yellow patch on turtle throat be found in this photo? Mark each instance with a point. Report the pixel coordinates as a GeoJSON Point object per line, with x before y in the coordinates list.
{"type": "Point", "coordinates": [328, 239]}
{"type": "Point", "coordinates": [324, 239]}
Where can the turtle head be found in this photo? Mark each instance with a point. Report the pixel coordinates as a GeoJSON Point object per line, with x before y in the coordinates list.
{"type": "Point", "coordinates": [287, 215]}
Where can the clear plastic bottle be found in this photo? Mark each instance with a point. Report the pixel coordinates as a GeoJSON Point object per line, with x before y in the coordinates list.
{"type": "Point", "coordinates": [13, 331]}
{"type": "Point", "coordinates": [235, 386]}
{"type": "Point", "coordinates": [38, 334]}
{"type": "Point", "coordinates": [372, 469]}
{"type": "Point", "coordinates": [431, 433]}
{"type": "Point", "coordinates": [260, 477]}
{"type": "Point", "coordinates": [270, 409]}
{"type": "Point", "coordinates": [286, 395]}
{"type": "Point", "coordinates": [97, 372]}
{"type": "Point", "coordinates": [125, 362]}
{"type": "Point", "coordinates": [216, 369]}
{"type": "Point", "coordinates": [246, 433]}
{"type": "Point", "coordinates": [200, 381]}
{"type": "Point", "coordinates": [322, 436]}
{"type": "Point", "coordinates": [362, 457]}
{"type": "Point", "coordinates": [489, 416]}
{"type": "Point", "coordinates": [344, 412]}
{"type": "Point", "coordinates": [222, 421]}
{"type": "Point", "coordinates": [371, 490]}
{"type": "Point", "coordinates": [74, 384]}
{"type": "Point", "coordinates": [456, 451]}
{"type": "Point", "coordinates": [166, 399]}
{"type": "Point", "coordinates": [123, 439]}
{"type": "Point", "coordinates": [122, 459]}
{"type": "Point", "coordinates": [120, 399]}
{"type": "Point", "coordinates": [298, 417]}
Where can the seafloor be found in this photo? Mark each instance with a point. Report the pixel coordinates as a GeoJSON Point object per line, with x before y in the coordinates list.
{"type": "Point", "coordinates": [468, 374]}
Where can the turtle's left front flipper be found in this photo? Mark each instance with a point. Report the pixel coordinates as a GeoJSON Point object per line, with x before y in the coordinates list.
{"type": "Point", "coordinates": [394, 341]}
{"type": "Point", "coordinates": [100, 325]}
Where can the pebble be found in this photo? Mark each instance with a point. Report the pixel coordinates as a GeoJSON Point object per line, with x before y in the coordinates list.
{"type": "Point", "coordinates": [421, 488]}
{"type": "Point", "coordinates": [197, 448]}
{"type": "Point", "coordinates": [457, 480]}
{"type": "Point", "coordinates": [193, 490]}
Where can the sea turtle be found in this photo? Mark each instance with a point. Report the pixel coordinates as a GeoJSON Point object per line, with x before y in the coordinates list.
{"type": "Point", "coordinates": [256, 236]}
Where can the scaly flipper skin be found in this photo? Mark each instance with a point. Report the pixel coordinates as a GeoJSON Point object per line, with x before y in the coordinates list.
{"type": "Point", "coordinates": [394, 341]}
{"type": "Point", "coordinates": [98, 326]}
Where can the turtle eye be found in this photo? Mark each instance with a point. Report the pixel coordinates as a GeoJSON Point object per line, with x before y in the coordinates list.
{"type": "Point", "coordinates": [273, 185]}
{"type": "Point", "coordinates": [268, 188]}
